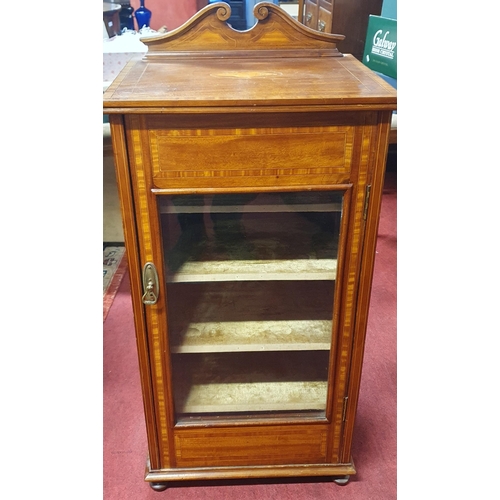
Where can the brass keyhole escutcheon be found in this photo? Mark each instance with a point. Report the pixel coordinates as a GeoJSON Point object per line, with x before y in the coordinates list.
{"type": "Point", "coordinates": [150, 284]}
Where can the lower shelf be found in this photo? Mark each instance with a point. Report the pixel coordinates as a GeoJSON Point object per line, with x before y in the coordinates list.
{"type": "Point", "coordinates": [250, 382]}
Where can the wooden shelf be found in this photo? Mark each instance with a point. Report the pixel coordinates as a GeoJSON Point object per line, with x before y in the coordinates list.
{"type": "Point", "coordinates": [250, 316]}
{"type": "Point", "coordinates": [234, 336]}
{"type": "Point", "coordinates": [270, 237]}
{"type": "Point", "coordinates": [255, 270]}
{"type": "Point", "coordinates": [249, 209]}
{"type": "Point", "coordinates": [249, 382]}
{"type": "Point", "coordinates": [263, 203]}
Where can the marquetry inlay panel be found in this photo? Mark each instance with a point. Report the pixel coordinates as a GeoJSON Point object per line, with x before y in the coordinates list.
{"type": "Point", "coordinates": [222, 447]}
{"type": "Point", "coordinates": [284, 156]}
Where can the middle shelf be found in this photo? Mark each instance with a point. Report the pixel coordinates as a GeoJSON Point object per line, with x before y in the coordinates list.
{"type": "Point", "coordinates": [254, 270]}
{"type": "Point", "coordinates": [250, 316]}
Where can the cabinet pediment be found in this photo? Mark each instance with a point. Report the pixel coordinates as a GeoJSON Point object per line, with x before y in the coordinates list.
{"type": "Point", "coordinates": [208, 32]}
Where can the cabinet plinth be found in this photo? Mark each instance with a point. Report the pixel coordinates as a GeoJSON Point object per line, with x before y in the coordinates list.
{"type": "Point", "coordinates": [250, 168]}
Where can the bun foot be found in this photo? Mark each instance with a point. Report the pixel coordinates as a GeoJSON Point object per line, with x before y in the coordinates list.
{"type": "Point", "coordinates": [158, 486]}
{"type": "Point", "coordinates": [341, 480]}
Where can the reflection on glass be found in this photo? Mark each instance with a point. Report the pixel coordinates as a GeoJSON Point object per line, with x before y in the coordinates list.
{"type": "Point", "coordinates": [250, 289]}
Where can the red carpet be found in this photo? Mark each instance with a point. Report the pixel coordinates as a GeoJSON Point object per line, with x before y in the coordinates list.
{"type": "Point", "coordinates": [374, 443]}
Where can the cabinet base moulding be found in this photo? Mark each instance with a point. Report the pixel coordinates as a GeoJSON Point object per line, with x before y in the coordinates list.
{"type": "Point", "coordinates": [248, 472]}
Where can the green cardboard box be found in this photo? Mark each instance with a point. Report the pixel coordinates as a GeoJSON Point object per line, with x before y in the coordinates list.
{"type": "Point", "coordinates": [381, 53]}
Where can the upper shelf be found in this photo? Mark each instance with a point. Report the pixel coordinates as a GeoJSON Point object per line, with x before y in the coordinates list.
{"type": "Point", "coordinates": [263, 203]}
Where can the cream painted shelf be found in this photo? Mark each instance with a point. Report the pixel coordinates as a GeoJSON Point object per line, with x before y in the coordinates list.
{"type": "Point", "coordinates": [250, 382]}
{"type": "Point", "coordinates": [237, 336]}
{"type": "Point", "coordinates": [251, 238]}
{"type": "Point", "coordinates": [255, 270]}
{"type": "Point", "coordinates": [250, 316]}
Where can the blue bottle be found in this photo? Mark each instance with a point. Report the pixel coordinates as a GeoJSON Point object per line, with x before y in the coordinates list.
{"type": "Point", "coordinates": [126, 16]}
{"type": "Point", "coordinates": [142, 16]}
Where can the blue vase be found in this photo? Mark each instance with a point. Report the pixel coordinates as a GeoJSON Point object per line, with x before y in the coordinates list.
{"type": "Point", "coordinates": [142, 16]}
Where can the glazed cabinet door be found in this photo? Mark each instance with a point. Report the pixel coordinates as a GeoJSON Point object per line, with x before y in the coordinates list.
{"type": "Point", "coordinates": [250, 270]}
{"type": "Point", "coordinates": [250, 286]}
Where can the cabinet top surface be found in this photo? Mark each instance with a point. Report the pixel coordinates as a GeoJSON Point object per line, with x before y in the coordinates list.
{"type": "Point", "coordinates": [278, 62]}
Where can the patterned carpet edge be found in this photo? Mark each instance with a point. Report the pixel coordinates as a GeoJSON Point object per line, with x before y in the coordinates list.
{"type": "Point", "coordinates": [115, 267]}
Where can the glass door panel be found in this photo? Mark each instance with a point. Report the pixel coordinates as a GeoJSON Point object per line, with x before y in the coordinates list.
{"type": "Point", "coordinates": [250, 293]}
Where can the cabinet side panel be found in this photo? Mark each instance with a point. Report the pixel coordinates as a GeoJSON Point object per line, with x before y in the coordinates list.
{"type": "Point", "coordinates": [251, 446]}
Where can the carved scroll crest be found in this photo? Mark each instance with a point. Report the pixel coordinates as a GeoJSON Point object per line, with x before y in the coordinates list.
{"type": "Point", "coordinates": [208, 34]}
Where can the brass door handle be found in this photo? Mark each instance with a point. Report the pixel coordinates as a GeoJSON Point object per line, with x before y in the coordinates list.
{"type": "Point", "coordinates": [308, 17]}
{"type": "Point", "coordinates": [321, 25]}
{"type": "Point", "coordinates": [149, 284]}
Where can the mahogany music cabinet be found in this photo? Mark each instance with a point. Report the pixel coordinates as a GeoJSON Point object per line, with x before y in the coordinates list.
{"type": "Point", "coordinates": [250, 168]}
